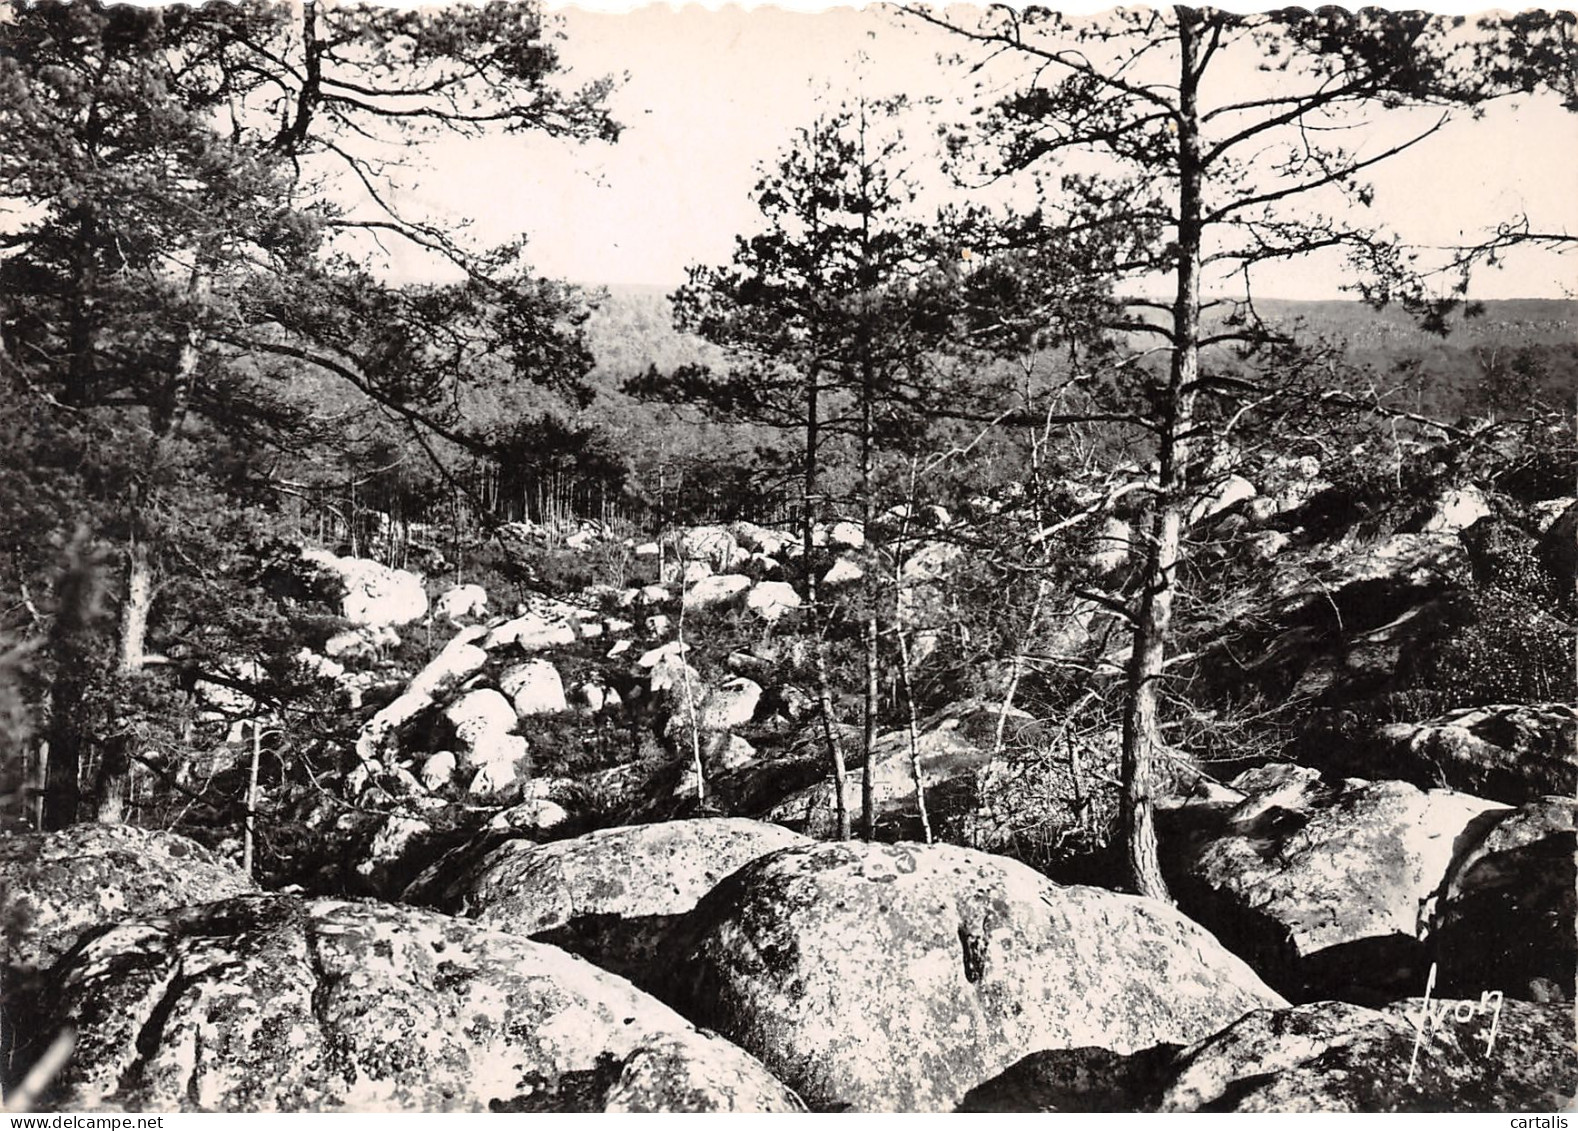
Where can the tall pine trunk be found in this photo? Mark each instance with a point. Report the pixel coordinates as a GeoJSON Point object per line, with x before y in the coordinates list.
{"type": "Point", "coordinates": [67, 739]}
{"type": "Point", "coordinates": [136, 601]}
{"type": "Point", "coordinates": [166, 412]}
{"type": "Point", "coordinates": [868, 738]}
{"type": "Point", "coordinates": [1143, 744]}
{"type": "Point", "coordinates": [824, 682]}
{"type": "Point", "coordinates": [74, 647]}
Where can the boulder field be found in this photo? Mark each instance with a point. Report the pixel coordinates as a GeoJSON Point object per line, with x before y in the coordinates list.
{"type": "Point", "coordinates": [898, 977]}
{"type": "Point", "coordinates": [275, 1003]}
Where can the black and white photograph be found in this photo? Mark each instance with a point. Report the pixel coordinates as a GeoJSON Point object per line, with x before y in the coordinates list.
{"type": "Point", "coordinates": [903, 558]}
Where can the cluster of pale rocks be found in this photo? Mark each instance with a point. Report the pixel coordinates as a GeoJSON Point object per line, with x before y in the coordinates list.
{"type": "Point", "coordinates": [499, 669]}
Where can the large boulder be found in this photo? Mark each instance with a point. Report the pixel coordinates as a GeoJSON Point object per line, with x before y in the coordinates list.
{"type": "Point", "coordinates": [1325, 1057]}
{"type": "Point", "coordinates": [460, 602]}
{"type": "Point", "coordinates": [534, 688]}
{"type": "Point", "coordinates": [1505, 918]}
{"type": "Point", "coordinates": [54, 886]}
{"type": "Point", "coordinates": [274, 1003]}
{"type": "Point", "coordinates": [1322, 886]}
{"type": "Point", "coordinates": [898, 977]}
{"type": "Point", "coordinates": [714, 545]}
{"type": "Point", "coordinates": [711, 592]}
{"type": "Point", "coordinates": [611, 896]}
{"type": "Point", "coordinates": [1336, 1057]}
{"type": "Point", "coordinates": [1509, 752]}
{"type": "Point", "coordinates": [457, 662]}
{"type": "Point", "coordinates": [1558, 549]}
{"type": "Point", "coordinates": [762, 539]}
{"type": "Point", "coordinates": [483, 722]}
{"type": "Point", "coordinates": [372, 595]}
{"type": "Point", "coordinates": [771, 600]}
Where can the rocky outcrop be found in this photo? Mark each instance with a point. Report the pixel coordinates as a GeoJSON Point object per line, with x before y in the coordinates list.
{"type": "Point", "coordinates": [611, 896]}
{"type": "Point", "coordinates": [1337, 1057]}
{"type": "Point", "coordinates": [772, 600]}
{"type": "Point", "coordinates": [371, 595]}
{"type": "Point", "coordinates": [54, 886]}
{"type": "Point", "coordinates": [1558, 550]}
{"type": "Point", "coordinates": [1326, 1057]}
{"type": "Point", "coordinates": [719, 590]}
{"type": "Point", "coordinates": [457, 662]}
{"type": "Point", "coordinates": [461, 602]}
{"type": "Point", "coordinates": [1323, 886]}
{"type": "Point", "coordinates": [534, 688]}
{"type": "Point", "coordinates": [1505, 918]}
{"type": "Point", "coordinates": [898, 977]}
{"type": "Point", "coordinates": [272, 1003]}
{"type": "Point", "coordinates": [714, 545]}
{"type": "Point", "coordinates": [1508, 752]}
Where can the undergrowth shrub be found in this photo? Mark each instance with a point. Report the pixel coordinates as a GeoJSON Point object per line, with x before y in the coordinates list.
{"type": "Point", "coordinates": [1491, 646]}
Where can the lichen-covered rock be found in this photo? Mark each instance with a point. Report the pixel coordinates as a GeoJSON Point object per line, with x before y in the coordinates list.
{"type": "Point", "coordinates": [612, 895]}
{"type": "Point", "coordinates": [898, 977]}
{"type": "Point", "coordinates": [272, 1003]}
{"type": "Point", "coordinates": [54, 886]}
{"type": "Point", "coordinates": [1324, 887]}
{"type": "Point", "coordinates": [1505, 918]}
{"type": "Point", "coordinates": [1337, 1057]}
{"type": "Point", "coordinates": [1510, 752]}
{"type": "Point", "coordinates": [383, 860]}
{"type": "Point", "coordinates": [1326, 1057]}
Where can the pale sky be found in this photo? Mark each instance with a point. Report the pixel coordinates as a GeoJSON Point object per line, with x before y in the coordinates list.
{"type": "Point", "coordinates": [714, 93]}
